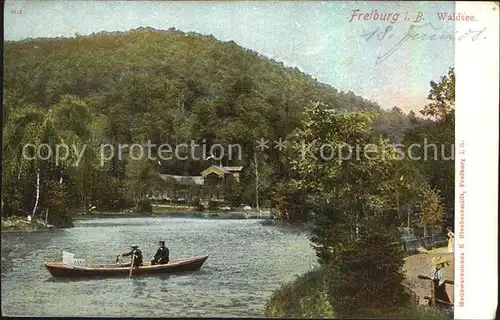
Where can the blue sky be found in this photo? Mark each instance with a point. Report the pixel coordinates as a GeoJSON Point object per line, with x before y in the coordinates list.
{"type": "Point", "coordinates": [316, 37]}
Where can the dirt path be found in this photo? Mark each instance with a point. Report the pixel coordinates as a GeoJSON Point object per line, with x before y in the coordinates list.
{"type": "Point", "coordinates": [421, 264]}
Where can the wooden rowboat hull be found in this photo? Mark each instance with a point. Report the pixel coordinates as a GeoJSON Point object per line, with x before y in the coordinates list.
{"type": "Point", "coordinates": [62, 270]}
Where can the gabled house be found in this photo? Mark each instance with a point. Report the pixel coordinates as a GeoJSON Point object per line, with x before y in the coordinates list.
{"type": "Point", "coordinates": [219, 174]}
{"type": "Point", "coordinates": [209, 184]}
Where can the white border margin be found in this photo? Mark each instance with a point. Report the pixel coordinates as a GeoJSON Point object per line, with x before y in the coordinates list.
{"type": "Point", "coordinates": [477, 81]}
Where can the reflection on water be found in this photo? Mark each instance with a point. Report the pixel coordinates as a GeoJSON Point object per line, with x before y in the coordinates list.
{"type": "Point", "coordinates": [247, 263]}
{"type": "Point", "coordinates": [138, 287]}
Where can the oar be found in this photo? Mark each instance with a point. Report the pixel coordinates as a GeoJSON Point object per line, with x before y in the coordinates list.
{"type": "Point", "coordinates": [132, 264]}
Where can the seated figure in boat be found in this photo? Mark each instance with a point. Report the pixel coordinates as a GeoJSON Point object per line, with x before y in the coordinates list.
{"type": "Point", "coordinates": [137, 255]}
{"type": "Point", "coordinates": [162, 255]}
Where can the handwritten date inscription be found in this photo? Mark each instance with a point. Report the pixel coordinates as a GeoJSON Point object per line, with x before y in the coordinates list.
{"type": "Point", "coordinates": [424, 32]}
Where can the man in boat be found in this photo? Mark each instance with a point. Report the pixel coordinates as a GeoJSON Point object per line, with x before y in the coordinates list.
{"type": "Point", "coordinates": [137, 255]}
{"type": "Point", "coordinates": [162, 255]}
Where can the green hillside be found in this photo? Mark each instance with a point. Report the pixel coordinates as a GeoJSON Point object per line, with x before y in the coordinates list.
{"type": "Point", "coordinates": [167, 87]}
{"type": "Point", "coordinates": [170, 86]}
{"type": "Point", "coordinates": [168, 64]}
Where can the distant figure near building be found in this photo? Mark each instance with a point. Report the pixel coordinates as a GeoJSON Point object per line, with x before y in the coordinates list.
{"type": "Point", "coordinates": [451, 240]}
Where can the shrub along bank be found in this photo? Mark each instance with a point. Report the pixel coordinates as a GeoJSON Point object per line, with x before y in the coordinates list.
{"type": "Point", "coordinates": [308, 297]}
{"type": "Point", "coordinates": [20, 224]}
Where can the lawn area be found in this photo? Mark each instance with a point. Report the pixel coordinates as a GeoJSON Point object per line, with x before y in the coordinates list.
{"type": "Point", "coordinates": [173, 210]}
{"type": "Point", "coordinates": [166, 209]}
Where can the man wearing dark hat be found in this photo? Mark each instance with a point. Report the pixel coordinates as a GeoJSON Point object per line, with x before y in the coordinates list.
{"type": "Point", "coordinates": [162, 255]}
{"type": "Point", "coordinates": [137, 255]}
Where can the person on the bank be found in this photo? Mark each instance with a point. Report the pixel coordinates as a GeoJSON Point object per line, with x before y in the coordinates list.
{"type": "Point", "coordinates": [137, 255]}
{"type": "Point", "coordinates": [451, 240]}
{"type": "Point", "coordinates": [162, 255]}
{"type": "Point", "coordinates": [438, 277]}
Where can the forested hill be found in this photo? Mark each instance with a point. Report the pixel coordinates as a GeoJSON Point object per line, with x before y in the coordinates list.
{"type": "Point", "coordinates": [171, 87]}
{"type": "Point", "coordinates": [164, 66]}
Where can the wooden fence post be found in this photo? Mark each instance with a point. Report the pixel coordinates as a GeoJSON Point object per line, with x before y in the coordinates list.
{"type": "Point", "coordinates": [432, 299]}
{"type": "Point", "coordinates": [433, 293]}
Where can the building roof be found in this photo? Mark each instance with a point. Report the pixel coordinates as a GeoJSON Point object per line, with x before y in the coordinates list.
{"type": "Point", "coordinates": [199, 180]}
{"type": "Point", "coordinates": [223, 169]}
{"type": "Point", "coordinates": [220, 170]}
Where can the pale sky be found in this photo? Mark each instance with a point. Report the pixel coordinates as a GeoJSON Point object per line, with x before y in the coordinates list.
{"type": "Point", "coordinates": [315, 37]}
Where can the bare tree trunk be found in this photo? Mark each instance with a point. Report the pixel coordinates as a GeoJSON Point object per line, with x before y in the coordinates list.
{"type": "Point", "coordinates": [397, 203]}
{"type": "Point", "coordinates": [356, 224]}
{"type": "Point", "coordinates": [409, 215]}
{"type": "Point", "coordinates": [85, 200]}
{"type": "Point", "coordinates": [256, 183]}
{"type": "Point", "coordinates": [37, 192]}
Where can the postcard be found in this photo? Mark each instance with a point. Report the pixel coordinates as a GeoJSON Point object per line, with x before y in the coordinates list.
{"type": "Point", "coordinates": [279, 159]}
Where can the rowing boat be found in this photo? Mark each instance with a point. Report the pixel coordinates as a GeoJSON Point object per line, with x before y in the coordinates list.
{"type": "Point", "coordinates": [65, 270]}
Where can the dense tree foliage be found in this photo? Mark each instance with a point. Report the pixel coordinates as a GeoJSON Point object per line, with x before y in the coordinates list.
{"type": "Point", "coordinates": [436, 138]}
{"type": "Point", "coordinates": [356, 220]}
{"type": "Point", "coordinates": [432, 214]}
{"type": "Point", "coordinates": [158, 86]}
{"type": "Point", "coordinates": [341, 167]}
{"type": "Point", "coordinates": [358, 183]}
{"type": "Point", "coordinates": [116, 88]}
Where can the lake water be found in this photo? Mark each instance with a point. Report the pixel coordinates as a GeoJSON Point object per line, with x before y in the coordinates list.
{"type": "Point", "coordinates": [247, 263]}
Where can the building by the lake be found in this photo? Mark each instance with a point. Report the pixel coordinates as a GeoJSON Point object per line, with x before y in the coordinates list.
{"type": "Point", "coordinates": [206, 186]}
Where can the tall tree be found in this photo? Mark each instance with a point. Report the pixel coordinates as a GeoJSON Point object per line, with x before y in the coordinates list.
{"type": "Point", "coordinates": [432, 213]}
{"type": "Point", "coordinates": [442, 97]}
{"type": "Point", "coordinates": [435, 138]}
{"type": "Point", "coordinates": [355, 218]}
{"type": "Point", "coordinates": [142, 178]}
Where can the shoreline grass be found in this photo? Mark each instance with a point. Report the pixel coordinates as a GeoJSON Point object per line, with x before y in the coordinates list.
{"type": "Point", "coordinates": [21, 224]}
{"type": "Point", "coordinates": [307, 295]}
{"type": "Point", "coordinates": [172, 211]}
